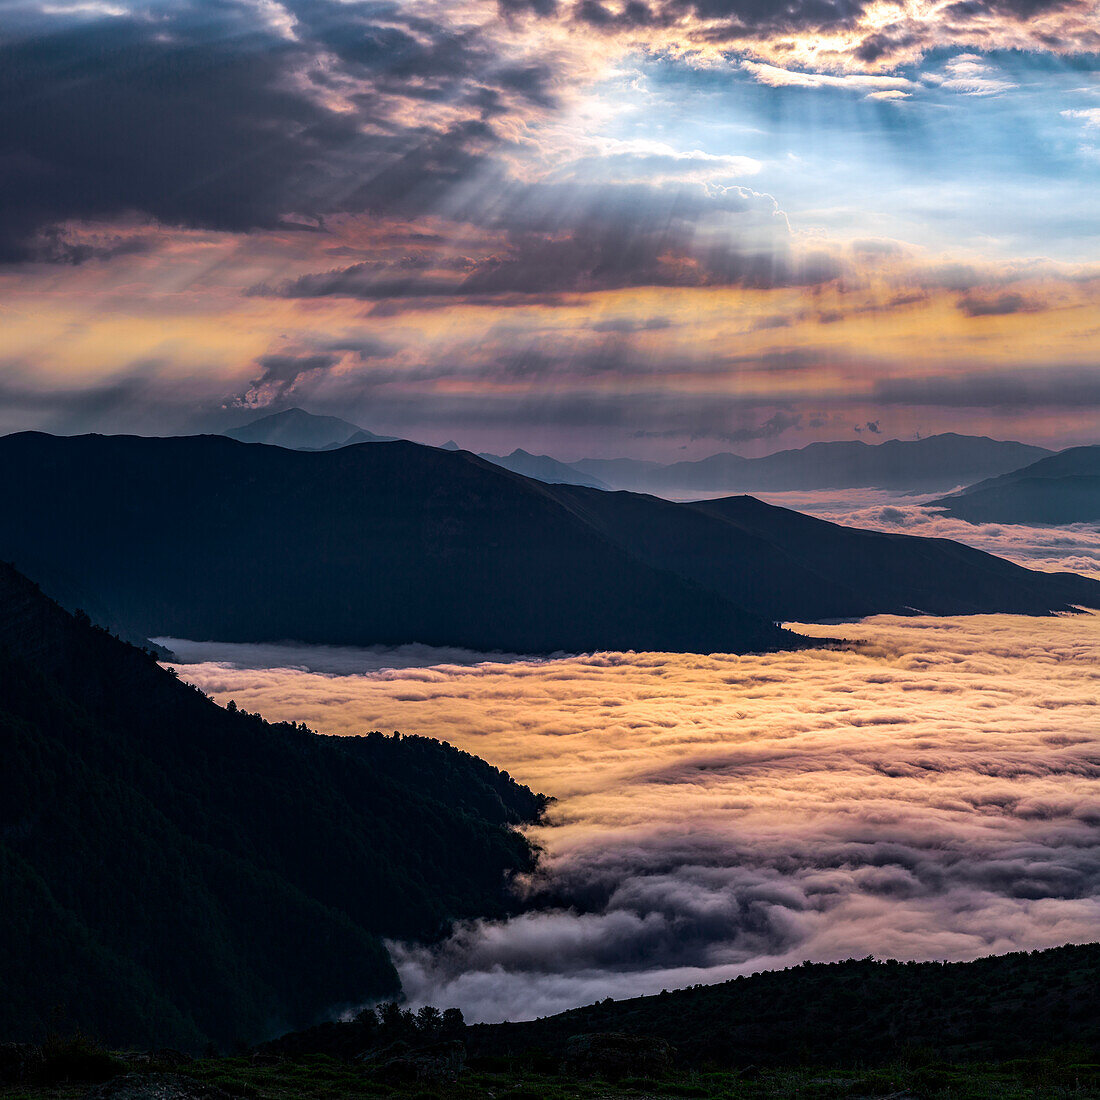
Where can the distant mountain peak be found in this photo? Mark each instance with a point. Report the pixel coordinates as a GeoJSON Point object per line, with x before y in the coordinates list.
{"type": "Point", "coordinates": [295, 428]}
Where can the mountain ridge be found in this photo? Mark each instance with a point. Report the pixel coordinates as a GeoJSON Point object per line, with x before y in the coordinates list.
{"type": "Point", "coordinates": [1062, 488]}
{"type": "Point", "coordinates": [386, 551]}
{"type": "Point", "coordinates": [389, 543]}
{"type": "Point", "coordinates": [934, 462]}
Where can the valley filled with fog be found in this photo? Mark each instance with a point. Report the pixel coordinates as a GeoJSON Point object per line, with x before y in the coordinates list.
{"type": "Point", "coordinates": [925, 788]}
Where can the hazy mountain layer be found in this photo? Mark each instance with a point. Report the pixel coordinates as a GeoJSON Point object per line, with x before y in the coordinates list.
{"type": "Point", "coordinates": [543, 468]}
{"type": "Point", "coordinates": [299, 430]}
{"type": "Point", "coordinates": [937, 462]}
{"type": "Point", "coordinates": [1064, 488]}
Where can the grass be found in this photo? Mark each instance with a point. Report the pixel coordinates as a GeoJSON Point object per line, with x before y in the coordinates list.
{"type": "Point", "coordinates": [1061, 1074]}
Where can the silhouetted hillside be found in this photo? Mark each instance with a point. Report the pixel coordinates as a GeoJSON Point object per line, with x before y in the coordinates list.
{"type": "Point", "coordinates": [789, 566]}
{"type": "Point", "coordinates": [1064, 488]}
{"type": "Point", "coordinates": [854, 1012]}
{"type": "Point", "coordinates": [937, 462]}
{"type": "Point", "coordinates": [204, 537]}
{"type": "Point", "coordinates": [390, 543]}
{"type": "Point", "coordinates": [173, 872]}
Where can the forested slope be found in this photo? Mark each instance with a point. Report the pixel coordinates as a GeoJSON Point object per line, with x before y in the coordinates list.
{"type": "Point", "coordinates": [173, 872]}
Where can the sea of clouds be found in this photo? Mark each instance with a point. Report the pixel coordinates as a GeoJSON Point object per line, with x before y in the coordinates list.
{"type": "Point", "coordinates": [1074, 547]}
{"type": "Point", "coordinates": [930, 790]}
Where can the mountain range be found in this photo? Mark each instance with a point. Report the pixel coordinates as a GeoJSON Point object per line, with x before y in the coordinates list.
{"type": "Point", "coordinates": [937, 462]}
{"type": "Point", "coordinates": [204, 537]}
{"type": "Point", "coordinates": [1063, 488]}
{"type": "Point", "coordinates": [303, 431]}
{"type": "Point", "coordinates": [922, 465]}
{"type": "Point", "coordinates": [159, 854]}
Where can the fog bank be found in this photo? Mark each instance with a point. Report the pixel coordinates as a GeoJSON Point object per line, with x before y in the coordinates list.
{"type": "Point", "coordinates": [930, 792]}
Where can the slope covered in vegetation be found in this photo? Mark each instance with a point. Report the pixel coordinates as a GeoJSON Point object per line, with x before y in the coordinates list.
{"type": "Point", "coordinates": [177, 873]}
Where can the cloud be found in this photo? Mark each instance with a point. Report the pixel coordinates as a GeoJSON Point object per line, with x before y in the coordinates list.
{"type": "Point", "coordinates": [363, 348]}
{"type": "Point", "coordinates": [774, 426]}
{"type": "Point", "coordinates": [623, 236]}
{"type": "Point", "coordinates": [1089, 115]}
{"type": "Point", "coordinates": [584, 261]}
{"type": "Point", "coordinates": [628, 325]}
{"type": "Point", "coordinates": [1000, 305]}
{"type": "Point", "coordinates": [1052, 387]}
{"type": "Point", "coordinates": [880, 86]}
{"type": "Point", "coordinates": [831, 38]}
{"type": "Point", "coordinates": [279, 374]}
{"type": "Point", "coordinates": [971, 74]}
{"type": "Point", "coordinates": [210, 114]}
{"type": "Point", "coordinates": [933, 792]}
{"type": "Point", "coordinates": [655, 163]}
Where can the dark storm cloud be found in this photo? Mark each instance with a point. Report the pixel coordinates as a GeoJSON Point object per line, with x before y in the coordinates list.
{"type": "Point", "coordinates": [717, 22]}
{"type": "Point", "coordinates": [625, 236]}
{"type": "Point", "coordinates": [286, 369]}
{"type": "Point", "coordinates": [1000, 305]}
{"type": "Point", "coordinates": [204, 114]}
{"type": "Point", "coordinates": [200, 114]}
{"type": "Point", "coordinates": [181, 117]}
{"type": "Point", "coordinates": [362, 347]}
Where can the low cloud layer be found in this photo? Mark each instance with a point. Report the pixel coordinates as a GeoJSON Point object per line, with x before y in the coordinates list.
{"type": "Point", "coordinates": [931, 792]}
{"type": "Point", "coordinates": [1073, 548]}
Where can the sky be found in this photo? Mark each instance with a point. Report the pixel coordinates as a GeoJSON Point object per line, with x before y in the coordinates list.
{"type": "Point", "coordinates": [931, 792]}
{"type": "Point", "coordinates": [586, 227]}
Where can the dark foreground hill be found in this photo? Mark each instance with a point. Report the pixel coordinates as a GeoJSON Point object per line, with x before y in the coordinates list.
{"type": "Point", "coordinates": [1024, 1025]}
{"type": "Point", "coordinates": [388, 543]}
{"type": "Point", "coordinates": [1015, 1027]}
{"type": "Point", "coordinates": [303, 431]}
{"type": "Point", "coordinates": [1064, 488]}
{"type": "Point", "coordinates": [172, 872]}
{"type": "Point", "coordinates": [382, 543]}
{"type": "Point", "coordinates": [856, 1011]}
